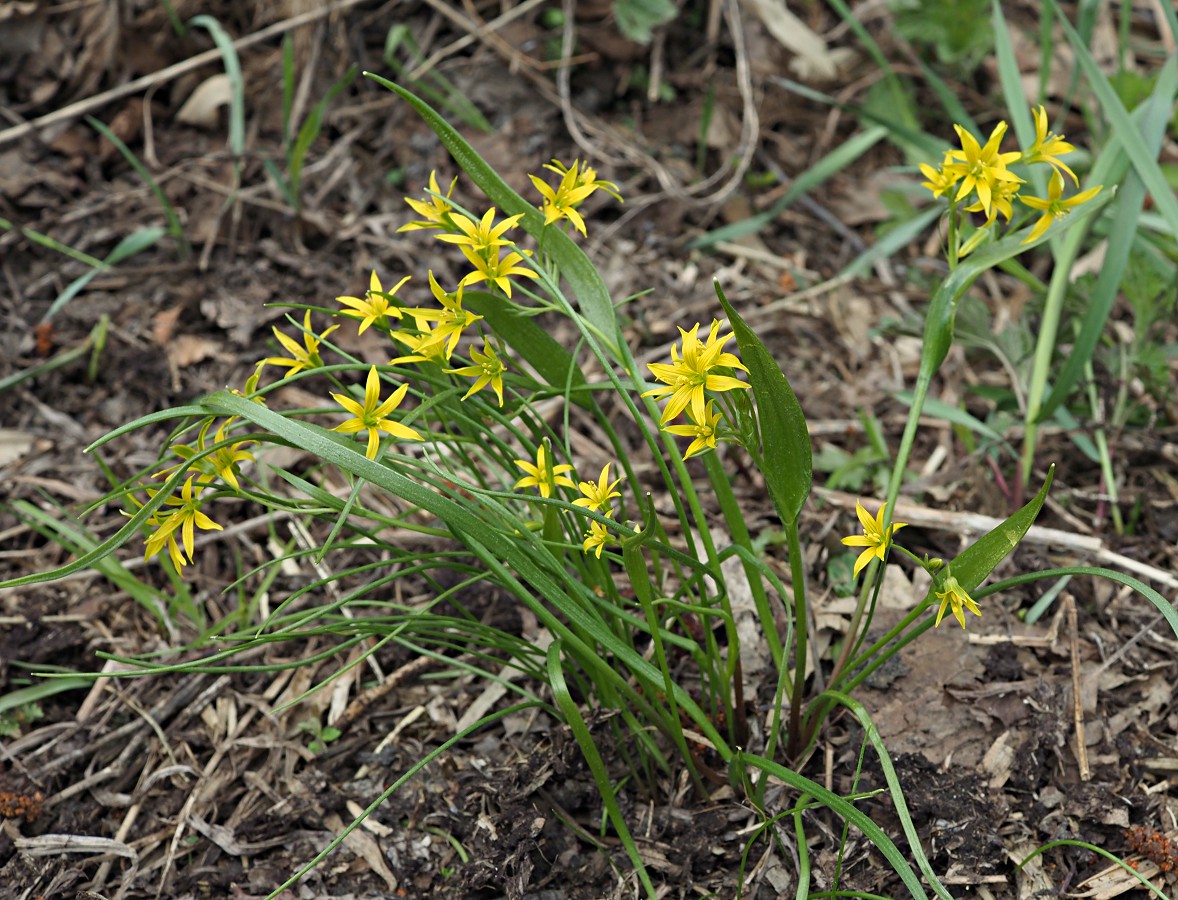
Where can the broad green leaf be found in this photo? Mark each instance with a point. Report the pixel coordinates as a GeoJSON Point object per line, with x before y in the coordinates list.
{"type": "Point", "coordinates": [785, 439]}
{"type": "Point", "coordinates": [975, 563]}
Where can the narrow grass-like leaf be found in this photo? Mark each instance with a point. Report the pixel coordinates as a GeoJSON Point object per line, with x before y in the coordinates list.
{"type": "Point", "coordinates": [831, 164]}
{"type": "Point", "coordinates": [79, 542]}
{"type": "Point", "coordinates": [894, 241]}
{"type": "Point", "coordinates": [236, 81]}
{"type": "Point", "coordinates": [45, 240]}
{"type": "Point", "coordinates": [310, 130]}
{"type": "Point", "coordinates": [1099, 851]}
{"type": "Point", "coordinates": [1122, 233]}
{"type": "Point", "coordinates": [394, 787]}
{"type": "Point", "coordinates": [1110, 104]}
{"type": "Point", "coordinates": [175, 227]}
{"type": "Point", "coordinates": [42, 690]}
{"type": "Point", "coordinates": [894, 788]}
{"type": "Point", "coordinates": [850, 813]}
{"type": "Point", "coordinates": [785, 440]}
{"type": "Point", "coordinates": [572, 716]}
{"type": "Point", "coordinates": [583, 277]}
{"type": "Point", "coordinates": [920, 142]}
{"type": "Point", "coordinates": [1163, 606]}
{"type": "Point", "coordinates": [1010, 78]}
{"type": "Point", "coordinates": [133, 243]}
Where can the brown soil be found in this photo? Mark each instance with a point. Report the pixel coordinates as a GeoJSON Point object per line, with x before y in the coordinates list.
{"type": "Point", "coordinates": [204, 785]}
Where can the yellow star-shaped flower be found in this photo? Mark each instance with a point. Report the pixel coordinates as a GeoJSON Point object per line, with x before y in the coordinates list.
{"type": "Point", "coordinates": [372, 414]}
{"type": "Point", "coordinates": [873, 537]}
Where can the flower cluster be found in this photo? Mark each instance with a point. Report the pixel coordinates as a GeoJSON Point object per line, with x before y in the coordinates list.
{"type": "Point", "coordinates": [877, 541]}
{"type": "Point", "coordinates": [693, 371]}
{"type": "Point", "coordinates": [428, 335]}
{"type": "Point", "coordinates": [979, 177]}
{"type": "Point", "coordinates": [182, 514]}
{"type": "Point", "coordinates": [596, 496]}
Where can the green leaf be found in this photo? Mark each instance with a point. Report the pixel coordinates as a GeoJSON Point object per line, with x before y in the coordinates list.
{"type": "Point", "coordinates": [572, 716]}
{"type": "Point", "coordinates": [637, 18]}
{"type": "Point", "coordinates": [785, 439]}
{"type": "Point", "coordinates": [975, 563]}
{"type": "Point", "coordinates": [236, 81]}
{"type": "Point", "coordinates": [1122, 234]}
{"type": "Point", "coordinates": [1110, 104]}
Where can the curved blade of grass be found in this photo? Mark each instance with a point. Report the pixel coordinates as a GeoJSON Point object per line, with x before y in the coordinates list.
{"type": "Point", "coordinates": [785, 440]}
{"type": "Point", "coordinates": [175, 228]}
{"type": "Point", "coordinates": [116, 540]}
{"type": "Point", "coordinates": [1163, 606]}
{"type": "Point", "coordinates": [236, 81]}
{"type": "Point", "coordinates": [393, 788]}
{"type": "Point", "coordinates": [894, 241]}
{"type": "Point", "coordinates": [42, 690]}
{"type": "Point", "coordinates": [1110, 104]}
{"type": "Point", "coordinates": [310, 130]}
{"type": "Point", "coordinates": [583, 277]}
{"type": "Point", "coordinates": [572, 716]}
{"type": "Point", "coordinates": [920, 142]}
{"type": "Point", "coordinates": [852, 814]}
{"type": "Point", "coordinates": [128, 246]}
{"type": "Point", "coordinates": [889, 773]}
{"type": "Point", "coordinates": [830, 164]}
{"type": "Point", "coordinates": [1100, 851]}
{"type": "Point", "coordinates": [80, 542]}
{"type": "Point", "coordinates": [1122, 233]}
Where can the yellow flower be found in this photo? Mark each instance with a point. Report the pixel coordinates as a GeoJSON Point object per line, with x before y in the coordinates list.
{"type": "Point", "coordinates": [1053, 206]}
{"type": "Point", "coordinates": [587, 178]}
{"type": "Point", "coordinates": [689, 375]}
{"type": "Point", "coordinates": [543, 476]}
{"type": "Point", "coordinates": [371, 415]}
{"type": "Point", "coordinates": [942, 179]}
{"type": "Point", "coordinates": [305, 357]}
{"type": "Point", "coordinates": [596, 495]}
{"type": "Point", "coordinates": [452, 319]}
{"type": "Point", "coordinates": [425, 346]}
{"type": "Point", "coordinates": [250, 391]}
{"type": "Point", "coordinates": [595, 538]}
{"type": "Point", "coordinates": [221, 463]}
{"type": "Point", "coordinates": [487, 369]}
{"type": "Point", "coordinates": [981, 167]}
{"type": "Point", "coordinates": [375, 306]}
{"type": "Point", "coordinates": [1001, 201]}
{"type": "Point", "coordinates": [481, 236]}
{"type": "Point", "coordinates": [702, 433]}
{"type": "Point", "coordinates": [561, 202]}
{"type": "Point", "coordinates": [873, 537]}
{"type": "Point", "coordinates": [434, 209]}
{"type": "Point", "coordinates": [1048, 146]}
{"type": "Point", "coordinates": [495, 269]}
{"type": "Point", "coordinates": [955, 596]}
{"type": "Point", "coordinates": [186, 518]}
